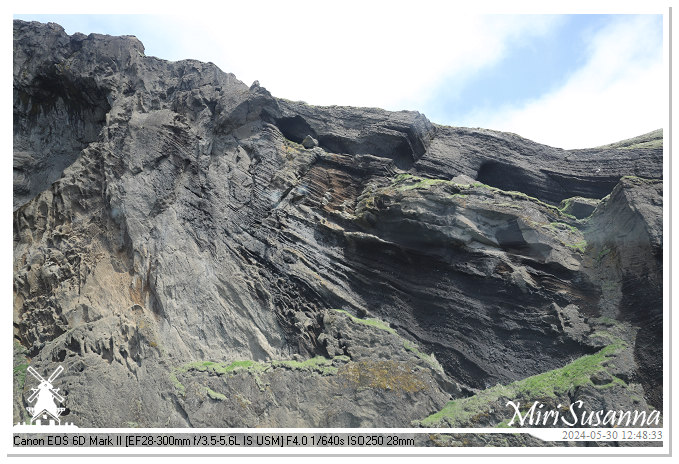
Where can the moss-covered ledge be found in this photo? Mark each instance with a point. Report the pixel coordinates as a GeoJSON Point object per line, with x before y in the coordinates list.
{"type": "Point", "coordinates": [317, 364]}
{"type": "Point", "coordinates": [540, 387]}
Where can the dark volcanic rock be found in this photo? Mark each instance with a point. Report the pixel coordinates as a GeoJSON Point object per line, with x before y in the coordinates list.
{"type": "Point", "coordinates": [309, 142]}
{"type": "Point", "coordinates": [626, 237]}
{"type": "Point", "coordinates": [180, 239]}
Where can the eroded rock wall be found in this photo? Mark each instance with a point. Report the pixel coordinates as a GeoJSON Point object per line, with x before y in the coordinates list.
{"type": "Point", "coordinates": [168, 223]}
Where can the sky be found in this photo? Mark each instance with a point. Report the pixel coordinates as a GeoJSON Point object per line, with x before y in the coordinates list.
{"type": "Point", "coordinates": [566, 80]}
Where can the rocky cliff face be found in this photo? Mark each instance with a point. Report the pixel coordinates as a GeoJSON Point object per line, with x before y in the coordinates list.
{"type": "Point", "coordinates": [199, 253]}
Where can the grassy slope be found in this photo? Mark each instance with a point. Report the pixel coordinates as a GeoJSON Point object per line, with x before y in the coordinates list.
{"type": "Point", "coordinates": [538, 387]}
{"type": "Point", "coordinates": [653, 139]}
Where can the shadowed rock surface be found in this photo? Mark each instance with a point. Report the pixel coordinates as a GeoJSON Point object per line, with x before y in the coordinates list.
{"type": "Point", "coordinates": [197, 252]}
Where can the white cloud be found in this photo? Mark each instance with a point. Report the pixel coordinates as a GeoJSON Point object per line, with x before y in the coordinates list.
{"type": "Point", "coordinates": [390, 55]}
{"type": "Point", "coordinates": [619, 93]}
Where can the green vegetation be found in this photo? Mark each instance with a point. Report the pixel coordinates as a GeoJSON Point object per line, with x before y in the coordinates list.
{"type": "Point", "coordinates": [508, 205]}
{"type": "Point", "coordinates": [514, 194]}
{"type": "Point", "coordinates": [429, 359]}
{"type": "Point", "coordinates": [221, 368]}
{"type": "Point", "coordinates": [572, 234]}
{"type": "Point", "coordinates": [215, 395]}
{"type": "Point", "coordinates": [649, 144]}
{"type": "Point", "coordinates": [318, 364]}
{"type": "Point", "coordinates": [20, 364]}
{"type": "Point", "coordinates": [403, 182]}
{"type": "Point", "coordinates": [608, 321]}
{"type": "Point", "coordinates": [580, 246]}
{"type": "Point", "coordinates": [177, 384]}
{"type": "Point", "coordinates": [208, 366]}
{"type": "Point", "coordinates": [408, 346]}
{"type": "Point", "coordinates": [602, 254]}
{"type": "Point", "coordinates": [20, 374]}
{"type": "Point", "coordinates": [538, 387]}
{"type": "Point", "coordinates": [637, 180]}
{"type": "Point", "coordinates": [605, 334]}
{"type": "Point", "coordinates": [371, 322]}
{"type": "Point", "coordinates": [565, 204]}
{"type": "Point", "coordinates": [569, 216]}
{"type": "Point", "coordinates": [409, 182]}
{"type": "Point", "coordinates": [215, 368]}
{"type": "Point", "coordinates": [653, 139]}
{"type": "Point", "coordinates": [365, 373]}
{"type": "Point", "coordinates": [291, 149]}
{"type": "Point", "coordinates": [19, 370]}
{"type": "Point", "coordinates": [402, 177]}
{"type": "Point", "coordinates": [423, 183]}
{"type": "Point", "coordinates": [563, 226]}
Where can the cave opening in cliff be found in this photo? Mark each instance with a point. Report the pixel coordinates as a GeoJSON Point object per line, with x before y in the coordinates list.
{"type": "Point", "coordinates": [503, 177]}
{"type": "Point", "coordinates": [58, 116]}
{"type": "Point", "coordinates": [295, 128]}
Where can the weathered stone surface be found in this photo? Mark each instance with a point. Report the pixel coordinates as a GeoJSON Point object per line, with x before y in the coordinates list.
{"type": "Point", "coordinates": [510, 162]}
{"type": "Point", "coordinates": [578, 206]}
{"type": "Point", "coordinates": [601, 378]}
{"type": "Point", "coordinates": [373, 378]}
{"type": "Point", "coordinates": [625, 233]}
{"type": "Point", "coordinates": [178, 224]}
{"type": "Point", "coordinates": [309, 142]}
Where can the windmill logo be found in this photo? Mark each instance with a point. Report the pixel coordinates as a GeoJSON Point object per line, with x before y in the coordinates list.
{"type": "Point", "coordinates": [44, 396]}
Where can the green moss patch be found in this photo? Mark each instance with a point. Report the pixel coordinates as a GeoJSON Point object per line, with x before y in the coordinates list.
{"type": "Point", "coordinates": [538, 387]}
{"type": "Point", "coordinates": [176, 383]}
{"type": "Point", "coordinates": [423, 184]}
{"type": "Point", "coordinates": [370, 322]}
{"type": "Point", "coordinates": [215, 395]}
{"type": "Point", "coordinates": [407, 345]}
{"type": "Point", "coordinates": [403, 182]}
{"type": "Point", "coordinates": [603, 253]}
{"type": "Point", "coordinates": [652, 139]}
{"type": "Point", "coordinates": [563, 226]}
{"type": "Point", "coordinates": [580, 246]}
{"type": "Point", "coordinates": [429, 359]}
{"type": "Point", "coordinates": [221, 368]}
{"type": "Point", "coordinates": [21, 363]}
{"type": "Point", "coordinates": [318, 364]}
{"type": "Point", "coordinates": [637, 180]}
{"type": "Point", "coordinates": [20, 374]}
